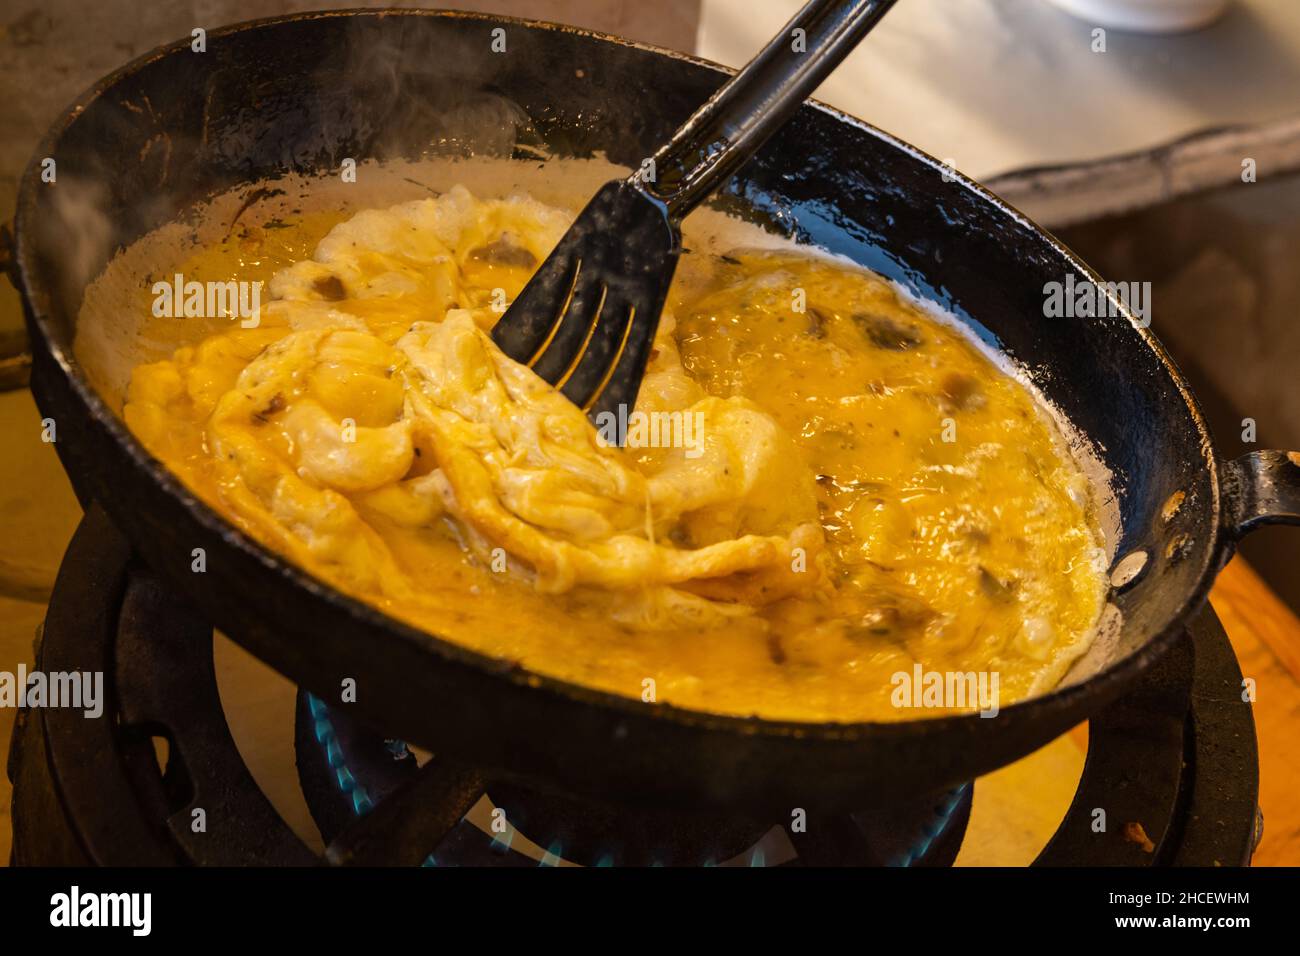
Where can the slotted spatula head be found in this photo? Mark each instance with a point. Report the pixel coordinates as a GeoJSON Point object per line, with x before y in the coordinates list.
{"type": "Point", "coordinates": [587, 317]}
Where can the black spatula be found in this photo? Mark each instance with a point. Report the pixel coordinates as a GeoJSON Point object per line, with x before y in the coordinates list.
{"type": "Point", "coordinates": [587, 317]}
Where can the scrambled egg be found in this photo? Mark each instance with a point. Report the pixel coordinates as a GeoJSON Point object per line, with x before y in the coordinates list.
{"type": "Point", "coordinates": [868, 491]}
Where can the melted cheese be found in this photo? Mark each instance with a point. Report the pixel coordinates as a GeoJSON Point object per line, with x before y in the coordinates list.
{"type": "Point", "coordinates": [866, 492]}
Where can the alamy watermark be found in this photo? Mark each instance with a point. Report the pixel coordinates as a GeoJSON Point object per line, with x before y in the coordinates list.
{"type": "Point", "coordinates": [179, 299]}
{"type": "Point", "coordinates": [1082, 298]}
{"type": "Point", "coordinates": [639, 429]}
{"type": "Point", "coordinates": [75, 908]}
{"type": "Point", "coordinates": [946, 690]}
{"type": "Point", "coordinates": [75, 690]}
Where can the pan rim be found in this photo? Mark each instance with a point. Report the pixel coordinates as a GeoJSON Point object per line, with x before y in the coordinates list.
{"type": "Point", "coordinates": [1102, 684]}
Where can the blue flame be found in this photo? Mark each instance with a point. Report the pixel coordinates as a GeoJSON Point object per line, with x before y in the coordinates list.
{"type": "Point", "coordinates": [325, 736]}
{"type": "Point", "coordinates": [363, 804]}
{"type": "Point", "coordinates": [938, 823]}
{"type": "Point", "coordinates": [501, 841]}
{"type": "Point", "coordinates": [554, 853]}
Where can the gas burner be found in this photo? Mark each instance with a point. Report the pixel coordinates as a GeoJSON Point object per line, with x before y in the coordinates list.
{"type": "Point", "coordinates": [1175, 755]}
{"type": "Point", "coordinates": [345, 769]}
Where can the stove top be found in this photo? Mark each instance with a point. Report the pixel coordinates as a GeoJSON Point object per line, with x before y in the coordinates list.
{"type": "Point", "coordinates": [1170, 777]}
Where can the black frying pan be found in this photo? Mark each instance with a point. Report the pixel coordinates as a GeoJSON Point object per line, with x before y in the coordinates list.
{"type": "Point", "coordinates": [279, 95]}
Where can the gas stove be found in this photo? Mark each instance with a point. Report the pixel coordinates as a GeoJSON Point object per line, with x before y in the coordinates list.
{"type": "Point", "coordinates": [1170, 777]}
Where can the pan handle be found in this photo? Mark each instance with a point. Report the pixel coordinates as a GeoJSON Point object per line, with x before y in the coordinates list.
{"type": "Point", "coordinates": [1261, 488]}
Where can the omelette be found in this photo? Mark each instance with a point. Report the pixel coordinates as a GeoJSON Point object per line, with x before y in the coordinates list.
{"type": "Point", "coordinates": [824, 490]}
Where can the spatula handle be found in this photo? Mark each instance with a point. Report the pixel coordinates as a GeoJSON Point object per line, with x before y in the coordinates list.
{"type": "Point", "coordinates": [752, 105]}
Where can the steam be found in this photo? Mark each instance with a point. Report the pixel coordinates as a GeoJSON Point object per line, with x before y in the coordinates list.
{"type": "Point", "coordinates": [79, 233]}
{"type": "Point", "coordinates": [383, 88]}
{"type": "Point", "coordinates": [427, 94]}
